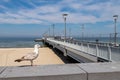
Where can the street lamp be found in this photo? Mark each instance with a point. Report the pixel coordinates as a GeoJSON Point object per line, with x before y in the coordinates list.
{"type": "Point", "coordinates": [64, 16]}
{"type": "Point", "coordinates": [53, 30]}
{"type": "Point", "coordinates": [49, 31]}
{"type": "Point", "coordinates": [82, 32]}
{"type": "Point", "coordinates": [69, 33]}
{"type": "Point", "coordinates": [115, 36]}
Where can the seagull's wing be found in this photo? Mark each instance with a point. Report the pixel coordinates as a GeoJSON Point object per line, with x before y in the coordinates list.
{"type": "Point", "coordinates": [29, 56]}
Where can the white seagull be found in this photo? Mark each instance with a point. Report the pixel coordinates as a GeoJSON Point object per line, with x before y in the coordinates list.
{"type": "Point", "coordinates": [30, 56]}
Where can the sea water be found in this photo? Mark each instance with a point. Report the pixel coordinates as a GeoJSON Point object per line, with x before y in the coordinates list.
{"type": "Point", "coordinates": [20, 42]}
{"type": "Point", "coordinates": [11, 42]}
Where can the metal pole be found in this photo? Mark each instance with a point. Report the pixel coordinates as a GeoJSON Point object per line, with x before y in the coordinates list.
{"type": "Point", "coordinates": [109, 53]}
{"type": "Point", "coordinates": [115, 39]}
{"type": "Point", "coordinates": [65, 27]}
{"type": "Point", "coordinates": [69, 33]}
{"type": "Point", "coordinates": [53, 30]}
{"type": "Point", "coordinates": [82, 32]}
{"type": "Point", "coordinates": [64, 16]}
{"type": "Point", "coordinates": [49, 31]}
{"type": "Point", "coordinates": [110, 38]}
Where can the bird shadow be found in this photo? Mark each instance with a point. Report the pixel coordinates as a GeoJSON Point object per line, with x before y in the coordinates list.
{"type": "Point", "coordinates": [25, 66]}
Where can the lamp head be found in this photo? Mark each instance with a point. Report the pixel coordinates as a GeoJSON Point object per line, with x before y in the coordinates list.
{"type": "Point", "coordinates": [65, 15]}
{"type": "Point", "coordinates": [115, 17]}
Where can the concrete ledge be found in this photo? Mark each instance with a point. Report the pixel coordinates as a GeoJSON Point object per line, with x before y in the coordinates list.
{"type": "Point", "coordinates": [102, 71]}
{"type": "Point", "coordinates": [50, 72]}
{"type": "Point", "coordinates": [2, 69]}
{"type": "Point", "coordinates": [86, 71]}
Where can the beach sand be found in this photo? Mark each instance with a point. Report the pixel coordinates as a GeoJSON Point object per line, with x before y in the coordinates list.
{"type": "Point", "coordinates": [46, 56]}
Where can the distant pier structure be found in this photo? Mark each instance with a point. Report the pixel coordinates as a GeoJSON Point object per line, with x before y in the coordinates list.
{"type": "Point", "coordinates": [85, 51]}
{"type": "Point", "coordinates": [39, 40]}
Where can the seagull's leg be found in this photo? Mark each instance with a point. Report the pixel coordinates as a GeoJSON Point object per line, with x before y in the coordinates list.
{"type": "Point", "coordinates": [31, 62]}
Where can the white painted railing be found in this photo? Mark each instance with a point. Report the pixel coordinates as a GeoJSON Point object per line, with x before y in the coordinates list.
{"type": "Point", "coordinates": [103, 51]}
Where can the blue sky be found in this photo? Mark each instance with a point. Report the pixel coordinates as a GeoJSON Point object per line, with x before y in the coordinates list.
{"type": "Point", "coordinates": [31, 18]}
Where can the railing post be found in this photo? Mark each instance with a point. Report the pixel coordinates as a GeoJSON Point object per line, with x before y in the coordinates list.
{"type": "Point", "coordinates": [109, 53]}
{"type": "Point", "coordinates": [97, 50]}
{"type": "Point", "coordinates": [88, 47]}
{"type": "Point", "coordinates": [65, 52]}
{"type": "Point", "coordinates": [82, 49]}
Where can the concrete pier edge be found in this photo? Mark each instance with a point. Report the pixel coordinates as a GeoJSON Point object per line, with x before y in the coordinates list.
{"type": "Point", "coordinates": [84, 71]}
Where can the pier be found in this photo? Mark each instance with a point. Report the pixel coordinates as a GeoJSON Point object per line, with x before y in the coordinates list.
{"type": "Point", "coordinates": [86, 51]}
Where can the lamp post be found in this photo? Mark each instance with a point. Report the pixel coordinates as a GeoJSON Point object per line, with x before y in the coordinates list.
{"type": "Point", "coordinates": [115, 36]}
{"type": "Point", "coordinates": [82, 31]}
{"type": "Point", "coordinates": [49, 31]}
{"type": "Point", "coordinates": [53, 30]}
{"type": "Point", "coordinates": [64, 16]}
{"type": "Point", "coordinates": [69, 33]}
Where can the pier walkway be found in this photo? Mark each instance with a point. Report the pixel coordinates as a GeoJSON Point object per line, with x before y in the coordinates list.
{"type": "Point", "coordinates": [86, 52]}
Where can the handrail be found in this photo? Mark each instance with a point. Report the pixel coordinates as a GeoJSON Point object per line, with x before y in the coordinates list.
{"type": "Point", "coordinates": [106, 51]}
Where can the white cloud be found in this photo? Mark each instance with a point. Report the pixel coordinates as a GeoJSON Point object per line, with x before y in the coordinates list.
{"type": "Point", "coordinates": [51, 13]}
{"type": "Point", "coordinates": [20, 21]}
{"type": "Point", "coordinates": [3, 7]}
{"type": "Point", "coordinates": [6, 0]}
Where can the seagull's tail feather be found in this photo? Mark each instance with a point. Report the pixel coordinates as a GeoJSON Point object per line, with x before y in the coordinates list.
{"type": "Point", "coordinates": [18, 60]}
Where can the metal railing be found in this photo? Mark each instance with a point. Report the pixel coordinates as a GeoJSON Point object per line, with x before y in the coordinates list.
{"type": "Point", "coordinates": [102, 50]}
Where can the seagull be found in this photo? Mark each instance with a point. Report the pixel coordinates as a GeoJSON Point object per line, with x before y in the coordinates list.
{"type": "Point", "coordinates": [30, 56]}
